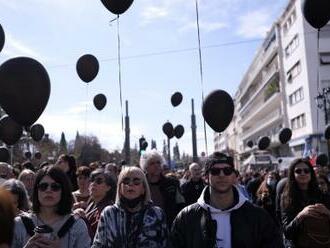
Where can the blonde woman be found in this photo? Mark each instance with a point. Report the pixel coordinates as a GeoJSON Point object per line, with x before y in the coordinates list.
{"type": "Point", "coordinates": [132, 221]}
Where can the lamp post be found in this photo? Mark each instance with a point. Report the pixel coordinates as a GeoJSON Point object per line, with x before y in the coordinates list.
{"type": "Point", "coordinates": [322, 101]}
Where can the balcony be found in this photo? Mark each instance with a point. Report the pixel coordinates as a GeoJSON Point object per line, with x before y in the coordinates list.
{"type": "Point", "coordinates": [258, 111]}
{"type": "Point", "coordinates": [262, 123]}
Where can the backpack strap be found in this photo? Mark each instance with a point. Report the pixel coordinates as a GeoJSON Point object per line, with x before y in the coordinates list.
{"type": "Point", "coordinates": [28, 224]}
{"type": "Point", "coordinates": [66, 226]}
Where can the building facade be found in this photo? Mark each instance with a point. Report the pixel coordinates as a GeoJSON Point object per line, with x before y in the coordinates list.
{"type": "Point", "coordinates": [290, 69]}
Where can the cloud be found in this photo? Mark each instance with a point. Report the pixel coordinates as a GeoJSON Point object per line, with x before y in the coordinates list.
{"type": "Point", "coordinates": [152, 13]}
{"type": "Point", "coordinates": [206, 26]}
{"type": "Point", "coordinates": [15, 47]}
{"type": "Point", "coordinates": [110, 136]}
{"type": "Point", "coordinates": [80, 108]}
{"type": "Point", "coordinates": [254, 24]}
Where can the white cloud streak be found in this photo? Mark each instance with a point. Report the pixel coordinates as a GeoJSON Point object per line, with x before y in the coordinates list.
{"type": "Point", "coordinates": [14, 47]}
{"type": "Point", "coordinates": [254, 24]}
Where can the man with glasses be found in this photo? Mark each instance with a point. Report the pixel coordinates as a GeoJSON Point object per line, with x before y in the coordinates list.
{"type": "Point", "coordinates": [222, 216]}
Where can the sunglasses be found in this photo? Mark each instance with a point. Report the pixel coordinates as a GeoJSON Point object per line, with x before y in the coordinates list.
{"type": "Point", "coordinates": [3, 176]}
{"type": "Point", "coordinates": [227, 171]}
{"type": "Point", "coordinates": [55, 187]}
{"type": "Point", "coordinates": [97, 180]}
{"type": "Point", "coordinates": [134, 181]}
{"type": "Point", "coordinates": [299, 171]}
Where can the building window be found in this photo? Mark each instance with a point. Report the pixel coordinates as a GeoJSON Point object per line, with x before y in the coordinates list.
{"type": "Point", "coordinates": [292, 46]}
{"type": "Point", "coordinates": [293, 72]}
{"type": "Point", "coordinates": [296, 96]}
{"type": "Point", "coordinates": [325, 58]}
{"type": "Point", "coordinates": [298, 122]}
{"type": "Point", "coordinates": [289, 22]}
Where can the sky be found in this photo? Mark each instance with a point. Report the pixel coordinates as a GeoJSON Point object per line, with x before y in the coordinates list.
{"type": "Point", "coordinates": [159, 56]}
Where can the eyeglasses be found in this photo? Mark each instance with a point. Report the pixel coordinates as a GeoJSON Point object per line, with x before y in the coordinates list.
{"type": "Point", "coordinates": [299, 171]}
{"type": "Point", "coordinates": [227, 171]}
{"type": "Point", "coordinates": [134, 181]}
{"type": "Point", "coordinates": [53, 187]}
{"type": "Point", "coordinates": [97, 180]}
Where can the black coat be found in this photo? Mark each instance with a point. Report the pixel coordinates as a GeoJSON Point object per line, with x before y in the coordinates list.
{"type": "Point", "coordinates": [251, 227]}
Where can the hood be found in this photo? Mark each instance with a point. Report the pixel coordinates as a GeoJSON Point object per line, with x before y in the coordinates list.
{"type": "Point", "coordinates": [204, 202]}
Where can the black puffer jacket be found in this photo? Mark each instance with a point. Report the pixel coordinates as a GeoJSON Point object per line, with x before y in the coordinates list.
{"type": "Point", "coordinates": [251, 227]}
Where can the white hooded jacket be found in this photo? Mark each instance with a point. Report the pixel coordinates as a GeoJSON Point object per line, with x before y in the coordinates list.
{"type": "Point", "coordinates": [222, 217]}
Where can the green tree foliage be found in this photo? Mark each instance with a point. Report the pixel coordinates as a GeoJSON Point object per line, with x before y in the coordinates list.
{"type": "Point", "coordinates": [63, 144]}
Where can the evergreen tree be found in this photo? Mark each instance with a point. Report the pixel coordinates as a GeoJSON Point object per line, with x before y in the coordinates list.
{"type": "Point", "coordinates": [63, 144]}
{"type": "Point", "coordinates": [176, 152]}
{"type": "Point", "coordinates": [164, 149]}
{"type": "Point", "coordinates": [153, 144]}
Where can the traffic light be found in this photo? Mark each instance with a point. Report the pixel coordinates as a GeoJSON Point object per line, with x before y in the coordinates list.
{"type": "Point", "coordinates": [143, 144]}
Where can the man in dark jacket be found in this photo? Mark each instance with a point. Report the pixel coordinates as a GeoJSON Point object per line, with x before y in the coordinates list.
{"type": "Point", "coordinates": [222, 216]}
{"type": "Point", "coordinates": [165, 191]}
{"type": "Point", "coordinates": [193, 188]}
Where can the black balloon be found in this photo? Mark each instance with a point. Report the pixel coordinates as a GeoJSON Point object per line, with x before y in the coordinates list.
{"type": "Point", "coordinates": [285, 135]}
{"type": "Point", "coordinates": [24, 89]}
{"type": "Point", "coordinates": [316, 12]}
{"type": "Point", "coordinates": [218, 110]}
{"type": "Point", "coordinates": [37, 132]}
{"type": "Point", "coordinates": [10, 131]}
{"type": "Point", "coordinates": [176, 99]}
{"type": "Point", "coordinates": [87, 67]}
{"type": "Point", "coordinates": [178, 131]}
{"type": "Point", "coordinates": [168, 130]}
{"type": "Point", "coordinates": [250, 143]}
{"type": "Point", "coordinates": [2, 38]}
{"type": "Point", "coordinates": [327, 132]}
{"type": "Point", "coordinates": [263, 143]}
{"type": "Point", "coordinates": [27, 154]}
{"type": "Point", "coordinates": [37, 155]}
{"type": "Point", "coordinates": [100, 101]}
{"type": "Point", "coordinates": [4, 154]}
{"type": "Point", "coordinates": [322, 160]}
{"type": "Point", "coordinates": [117, 7]}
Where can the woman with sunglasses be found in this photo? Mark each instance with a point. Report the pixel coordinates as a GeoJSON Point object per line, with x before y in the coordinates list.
{"type": "Point", "coordinates": [301, 200]}
{"type": "Point", "coordinates": [51, 208]}
{"type": "Point", "coordinates": [102, 191]}
{"type": "Point", "coordinates": [132, 221]}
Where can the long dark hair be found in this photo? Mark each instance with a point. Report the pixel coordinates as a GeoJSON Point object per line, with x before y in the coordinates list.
{"type": "Point", "coordinates": [65, 205]}
{"type": "Point", "coordinates": [292, 195]}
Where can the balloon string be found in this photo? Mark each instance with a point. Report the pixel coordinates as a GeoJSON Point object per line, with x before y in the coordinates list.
{"type": "Point", "coordinates": [201, 70]}
{"type": "Point", "coordinates": [86, 110]}
{"type": "Point", "coordinates": [119, 76]}
{"type": "Point", "coordinates": [318, 75]}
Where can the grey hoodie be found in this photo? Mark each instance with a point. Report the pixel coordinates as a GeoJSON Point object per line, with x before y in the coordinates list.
{"type": "Point", "coordinates": [222, 217]}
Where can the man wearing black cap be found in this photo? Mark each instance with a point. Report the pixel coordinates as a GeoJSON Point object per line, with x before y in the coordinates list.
{"type": "Point", "coordinates": [222, 216]}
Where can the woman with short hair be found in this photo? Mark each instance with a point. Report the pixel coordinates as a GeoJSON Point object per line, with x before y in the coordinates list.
{"type": "Point", "coordinates": [81, 195]}
{"type": "Point", "coordinates": [51, 207]}
{"type": "Point", "coordinates": [132, 221]}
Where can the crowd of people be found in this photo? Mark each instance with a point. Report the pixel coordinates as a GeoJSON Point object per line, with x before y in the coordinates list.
{"type": "Point", "coordinates": [122, 206]}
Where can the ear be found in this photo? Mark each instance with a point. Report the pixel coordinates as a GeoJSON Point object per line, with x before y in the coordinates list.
{"type": "Point", "coordinates": [206, 179]}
